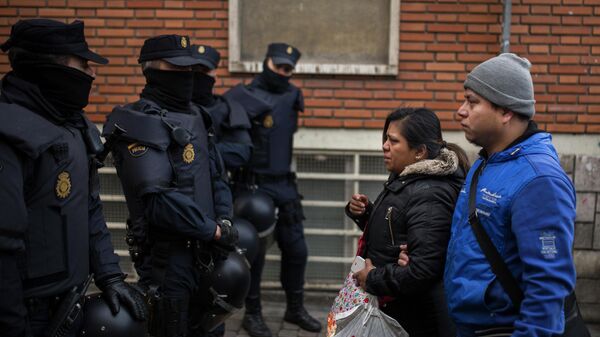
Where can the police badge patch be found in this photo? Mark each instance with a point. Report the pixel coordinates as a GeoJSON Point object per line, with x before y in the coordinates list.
{"type": "Point", "coordinates": [188, 153]}
{"type": "Point", "coordinates": [183, 42]}
{"type": "Point", "coordinates": [137, 150]}
{"type": "Point", "coordinates": [63, 185]}
{"type": "Point", "coordinates": [268, 122]}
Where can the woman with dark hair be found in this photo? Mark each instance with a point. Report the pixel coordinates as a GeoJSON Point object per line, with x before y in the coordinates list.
{"type": "Point", "coordinates": [413, 210]}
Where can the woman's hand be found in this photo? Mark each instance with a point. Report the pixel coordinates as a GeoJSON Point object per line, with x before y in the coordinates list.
{"type": "Point", "coordinates": [361, 276]}
{"type": "Point", "coordinates": [403, 258]}
{"type": "Point", "coordinates": [358, 204]}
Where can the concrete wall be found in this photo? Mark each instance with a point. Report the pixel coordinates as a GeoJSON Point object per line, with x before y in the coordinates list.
{"type": "Point", "coordinates": [585, 170]}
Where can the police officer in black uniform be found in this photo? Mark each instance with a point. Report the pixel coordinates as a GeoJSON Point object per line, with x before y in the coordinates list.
{"type": "Point", "coordinates": [230, 120]}
{"type": "Point", "coordinates": [173, 179]}
{"type": "Point", "coordinates": [52, 233]}
{"type": "Point", "coordinates": [274, 105]}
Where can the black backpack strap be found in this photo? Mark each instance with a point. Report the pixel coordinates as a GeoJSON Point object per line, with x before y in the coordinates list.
{"type": "Point", "coordinates": [499, 267]}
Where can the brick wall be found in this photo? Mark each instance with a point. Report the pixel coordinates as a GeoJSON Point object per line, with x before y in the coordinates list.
{"type": "Point", "coordinates": [439, 42]}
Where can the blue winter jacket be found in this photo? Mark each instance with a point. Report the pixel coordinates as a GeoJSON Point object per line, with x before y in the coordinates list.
{"type": "Point", "coordinates": [526, 203]}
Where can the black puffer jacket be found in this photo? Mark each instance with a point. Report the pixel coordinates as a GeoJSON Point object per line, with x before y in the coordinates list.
{"type": "Point", "coordinates": [415, 208]}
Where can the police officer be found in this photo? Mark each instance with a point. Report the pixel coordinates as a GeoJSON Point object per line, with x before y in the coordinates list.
{"type": "Point", "coordinates": [275, 105]}
{"type": "Point", "coordinates": [52, 233]}
{"type": "Point", "coordinates": [172, 176]}
{"type": "Point", "coordinates": [230, 120]}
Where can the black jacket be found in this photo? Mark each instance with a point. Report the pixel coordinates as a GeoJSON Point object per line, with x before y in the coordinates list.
{"type": "Point", "coordinates": [415, 208]}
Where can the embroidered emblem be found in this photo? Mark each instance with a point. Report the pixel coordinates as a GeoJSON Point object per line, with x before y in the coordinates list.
{"type": "Point", "coordinates": [289, 50]}
{"type": "Point", "coordinates": [268, 122]}
{"type": "Point", "coordinates": [201, 50]}
{"type": "Point", "coordinates": [183, 42]}
{"type": "Point", "coordinates": [63, 185]}
{"type": "Point", "coordinates": [188, 153]}
{"type": "Point", "coordinates": [137, 150]}
{"type": "Point", "coordinates": [489, 196]}
{"type": "Point", "coordinates": [548, 241]}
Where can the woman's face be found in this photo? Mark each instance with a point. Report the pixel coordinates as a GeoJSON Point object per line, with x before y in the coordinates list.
{"type": "Point", "coordinates": [396, 153]}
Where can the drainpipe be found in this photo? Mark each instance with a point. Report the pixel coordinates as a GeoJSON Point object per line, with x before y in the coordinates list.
{"type": "Point", "coordinates": [506, 27]}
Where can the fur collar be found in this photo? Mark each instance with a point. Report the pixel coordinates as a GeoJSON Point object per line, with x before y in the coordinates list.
{"type": "Point", "coordinates": [444, 164]}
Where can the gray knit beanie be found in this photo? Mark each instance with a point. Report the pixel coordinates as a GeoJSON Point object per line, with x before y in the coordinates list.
{"type": "Point", "coordinates": [505, 81]}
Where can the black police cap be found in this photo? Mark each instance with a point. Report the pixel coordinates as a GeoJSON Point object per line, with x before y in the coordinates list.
{"type": "Point", "coordinates": [283, 53]}
{"type": "Point", "coordinates": [207, 56]}
{"type": "Point", "coordinates": [51, 37]}
{"type": "Point", "coordinates": [173, 48]}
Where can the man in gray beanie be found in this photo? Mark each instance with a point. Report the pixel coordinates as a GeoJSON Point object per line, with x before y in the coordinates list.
{"type": "Point", "coordinates": [523, 203]}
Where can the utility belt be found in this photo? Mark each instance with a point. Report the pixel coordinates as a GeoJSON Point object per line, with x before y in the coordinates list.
{"type": "Point", "coordinates": [274, 178]}
{"type": "Point", "coordinates": [63, 310]}
{"type": "Point", "coordinates": [247, 177]}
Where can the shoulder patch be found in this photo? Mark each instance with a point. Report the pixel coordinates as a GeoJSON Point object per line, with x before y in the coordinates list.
{"type": "Point", "coordinates": [137, 150]}
{"type": "Point", "coordinates": [268, 121]}
{"type": "Point", "coordinates": [63, 185]}
{"type": "Point", "coordinates": [188, 153]}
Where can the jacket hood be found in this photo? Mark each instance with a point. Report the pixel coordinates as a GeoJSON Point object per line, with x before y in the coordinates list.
{"type": "Point", "coordinates": [446, 163]}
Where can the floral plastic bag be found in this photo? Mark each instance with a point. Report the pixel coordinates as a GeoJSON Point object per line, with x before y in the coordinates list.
{"type": "Point", "coordinates": [355, 313]}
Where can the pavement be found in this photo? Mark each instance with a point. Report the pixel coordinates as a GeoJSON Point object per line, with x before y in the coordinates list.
{"type": "Point", "coordinates": [273, 303]}
{"type": "Point", "coordinates": [317, 304]}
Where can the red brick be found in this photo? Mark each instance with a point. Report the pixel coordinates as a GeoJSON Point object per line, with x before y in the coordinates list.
{"type": "Point", "coordinates": [352, 113]}
{"type": "Point", "coordinates": [571, 128]}
{"type": "Point", "coordinates": [572, 10]}
{"type": "Point", "coordinates": [592, 128]}
{"type": "Point", "coordinates": [55, 12]}
{"type": "Point", "coordinates": [589, 119]}
{"type": "Point", "coordinates": [324, 123]}
{"type": "Point", "coordinates": [115, 13]}
{"type": "Point", "coordinates": [173, 14]}
{"type": "Point", "coordinates": [144, 4]}
{"type": "Point", "coordinates": [86, 4]}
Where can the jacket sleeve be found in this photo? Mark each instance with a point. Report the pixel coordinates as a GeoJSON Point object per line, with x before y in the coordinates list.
{"type": "Point", "coordinates": [428, 217]}
{"type": "Point", "coordinates": [148, 176]}
{"type": "Point", "coordinates": [13, 226]}
{"type": "Point", "coordinates": [221, 193]}
{"type": "Point", "coordinates": [543, 215]}
{"type": "Point", "coordinates": [12, 206]}
{"type": "Point", "coordinates": [103, 260]}
{"type": "Point", "coordinates": [235, 146]}
{"type": "Point", "coordinates": [361, 220]}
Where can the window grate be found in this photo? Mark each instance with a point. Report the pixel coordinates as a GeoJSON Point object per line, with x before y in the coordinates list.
{"type": "Point", "coordinates": [326, 179]}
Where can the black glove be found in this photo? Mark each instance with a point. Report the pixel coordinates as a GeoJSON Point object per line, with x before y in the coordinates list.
{"type": "Point", "coordinates": [229, 234]}
{"type": "Point", "coordinates": [116, 291]}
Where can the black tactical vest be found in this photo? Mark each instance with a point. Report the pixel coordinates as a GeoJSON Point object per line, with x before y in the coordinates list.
{"type": "Point", "coordinates": [149, 132]}
{"type": "Point", "coordinates": [56, 172]}
{"type": "Point", "coordinates": [278, 128]}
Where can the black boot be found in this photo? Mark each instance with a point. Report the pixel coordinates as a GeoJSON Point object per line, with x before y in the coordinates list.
{"type": "Point", "coordinates": [253, 321]}
{"type": "Point", "coordinates": [296, 314]}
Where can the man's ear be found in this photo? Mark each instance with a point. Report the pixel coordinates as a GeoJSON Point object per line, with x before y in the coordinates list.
{"type": "Point", "coordinates": [507, 115]}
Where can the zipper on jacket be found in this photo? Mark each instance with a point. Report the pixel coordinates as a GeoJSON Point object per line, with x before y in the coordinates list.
{"type": "Point", "coordinates": [388, 217]}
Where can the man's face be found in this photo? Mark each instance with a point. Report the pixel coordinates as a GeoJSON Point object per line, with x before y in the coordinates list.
{"type": "Point", "coordinates": [481, 122]}
{"type": "Point", "coordinates": [281, 69]}
{"type": "Point", "coordinates": [80, 64]}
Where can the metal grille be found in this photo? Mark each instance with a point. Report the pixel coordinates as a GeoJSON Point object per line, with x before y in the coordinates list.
{"type": "Point", "coordinates": [326, 179]}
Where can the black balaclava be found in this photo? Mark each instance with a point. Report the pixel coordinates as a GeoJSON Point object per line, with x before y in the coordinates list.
{"type": "Point", "coordinates": [203, 89]}
{"type": "Point", "coordinates": [272, 81]}
{"type": "Point", "coordinates": [171, 90]}
{"type": "Point", "coordinates": [67, 89]}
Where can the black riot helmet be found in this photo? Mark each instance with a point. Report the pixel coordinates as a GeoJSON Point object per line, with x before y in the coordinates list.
{"type": "Point", "coordinates": [98, 320]}
{"type": "Point", "coordinates": [247, 238]}
{"type": "Point", "coordinates": [229, 284]}
{"type": "Point", "coordinates": [258, 208]}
